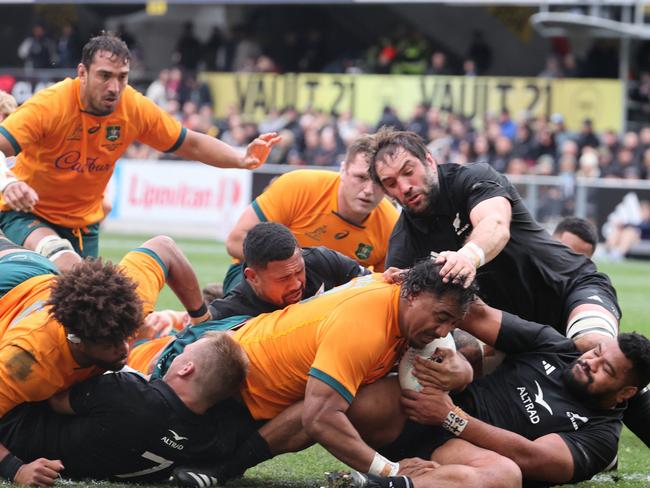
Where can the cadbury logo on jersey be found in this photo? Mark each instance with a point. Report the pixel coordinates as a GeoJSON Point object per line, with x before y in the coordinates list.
{"type": "Point", "coordinates": [71, 161]}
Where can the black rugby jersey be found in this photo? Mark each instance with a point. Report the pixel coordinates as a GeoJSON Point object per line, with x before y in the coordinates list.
{"type": "Point", "coordinates": [531, 277]}
{"type": "Point", "coordinates": [124, 429]}
{"type": "Point", "coordinates": [527, 395]}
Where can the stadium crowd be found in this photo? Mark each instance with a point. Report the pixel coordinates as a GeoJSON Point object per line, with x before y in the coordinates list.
{"type": "Point", "coordinates": [511, 144]}
{"type": "Point", "coordinates": [464, 253]}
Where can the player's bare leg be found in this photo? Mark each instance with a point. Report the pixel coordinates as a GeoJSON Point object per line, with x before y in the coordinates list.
{"type": "Point", "coordinates": [58, 250]}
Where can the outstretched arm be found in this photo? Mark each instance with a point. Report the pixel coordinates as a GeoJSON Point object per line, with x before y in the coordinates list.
{"type": "Point", "coordinates": [212, 151]}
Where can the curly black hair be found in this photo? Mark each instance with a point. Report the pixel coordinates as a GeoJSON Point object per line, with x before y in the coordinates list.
{"type": "Point", "coordinates": [96, 302]}
{"type": "Point", "coordinates": [425, 277]}
{"type": "Point", "coordinates": [636, 348]}
{"type": "Point", "coordinates": [267, 242]}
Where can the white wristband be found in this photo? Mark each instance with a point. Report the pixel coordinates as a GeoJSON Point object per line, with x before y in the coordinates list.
{"type": "Point", "coordinates": [472, 249]}
{"type": "Point", "coordinates": [6, 180]}
{"type": "Point", "coordinates": [6, 177]}
{"type": "Point", "coordinates": [381, 466]}
{"type": "Point", "coordinates": [455, 422]}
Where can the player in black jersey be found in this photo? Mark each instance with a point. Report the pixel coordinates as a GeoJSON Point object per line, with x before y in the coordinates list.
{"type": "Point", "coordinates": [277, 273]}
{"type": "Point", "coordinates": [475, 219]}
{"type": "Point", "coordinates": [127, 429]}
{"type": "Point", "coordinates": [554, 411]}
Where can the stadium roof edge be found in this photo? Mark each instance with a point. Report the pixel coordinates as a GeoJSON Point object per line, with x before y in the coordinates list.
{"type": "Point", "coordinates": [551, 24]}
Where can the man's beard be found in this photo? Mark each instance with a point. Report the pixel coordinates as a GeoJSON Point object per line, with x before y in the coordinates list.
{"type": "Point", "coordinates": [579, 389]}
{"type": "Point", "coordinates": [432, 193]}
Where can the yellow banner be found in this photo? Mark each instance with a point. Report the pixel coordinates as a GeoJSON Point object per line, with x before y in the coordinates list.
{"type": "Point", "coordinates": [365, 96]}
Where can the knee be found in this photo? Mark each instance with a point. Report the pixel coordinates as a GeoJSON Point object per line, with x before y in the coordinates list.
{"type": "Point", "coordinates": [503, 472]}
{"type": "Point", "coordinates": [163, 246]}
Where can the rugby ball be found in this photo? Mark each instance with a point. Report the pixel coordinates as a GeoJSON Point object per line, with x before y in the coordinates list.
{"type": "Point", "coordinates": [405, 371]}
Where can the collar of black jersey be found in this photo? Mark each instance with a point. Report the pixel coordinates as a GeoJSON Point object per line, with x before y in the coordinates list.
{"type": "Point", "coordinates": [443, 207]}
{"type": "Point", "coordinates": [172, 399]}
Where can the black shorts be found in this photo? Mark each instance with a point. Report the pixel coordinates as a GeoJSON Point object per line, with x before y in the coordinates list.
{"type": "Point", "coordinates": [416, 440]}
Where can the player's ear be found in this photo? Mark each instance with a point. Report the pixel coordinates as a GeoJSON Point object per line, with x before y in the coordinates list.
{"type": "Point", "coordinates": [429, 161]}
{"type": "Point", "coordinates": [250, 274]}
{"type": "Point", "coordinates": [626, 393]}
{"type": "Point", "coordinates": [82, 72]}
{"type": "Point", "coordinates": [187, 369]}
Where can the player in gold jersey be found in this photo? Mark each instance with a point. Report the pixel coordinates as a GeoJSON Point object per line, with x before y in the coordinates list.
{"type": "Point", "coordinates": [68, 138]}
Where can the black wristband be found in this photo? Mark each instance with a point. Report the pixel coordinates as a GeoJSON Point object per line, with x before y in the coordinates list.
{"type": "Point", "coordinates": [9, 466]}
{"type": "Point", "coordinates": [199, 312]}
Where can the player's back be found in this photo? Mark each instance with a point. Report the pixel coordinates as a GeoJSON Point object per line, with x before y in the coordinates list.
{"type": "Point", "coordinates": [124, 428]}
{"type": "Point", "coordinates": [315, 337]}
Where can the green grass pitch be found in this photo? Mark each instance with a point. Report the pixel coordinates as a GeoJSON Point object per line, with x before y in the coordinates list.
{"type": "Point", "coordinates": [307, 468]}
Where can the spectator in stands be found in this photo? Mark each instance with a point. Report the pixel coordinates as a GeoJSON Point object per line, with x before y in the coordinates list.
{"type": "Point", "coordinates": [480, 149]}
{"type": "Point", "coordinates": [211, 50]}
{"type": "Point", "coordinates": [507, 125]}
{"type": "Point", "coordinates": [438, 64]}
{"type": "Point", "coordinates": [188, 50]}
{"type": "Point", "coordinates": [68, 47]}
{"type": "Point", "coordinates": [469, 67]}
{"type": "Point", "coordinates": [645, 165]}
{"type": "Point", "coordinates": [560, 132]}
{"type": "Point", "coordinates": [411, 55]}
{"type": "Point", "coordinates": [523, 144]}
{"type": "Point", "coordinates": [157, 90]}
{"type": "Point", "coordinates": [192, 90]}
{"type": "Point", "coordinates": [174, 83]}
{"type": "Point", "coordinates": [390, 118]}
{"type": "Point", "coordinates": [246, 50]}
{"type": "Point", "coordinates": [502, 154]}
{"type": "Point", "coordinates": [587, 136]}
{"type": "Point", "coordinates": [551, 69]}
{"type": "Point", "coordinates": [37, 50]}
{"type": "Point", "coordinates": [544, 144]}
{"type": "Point", "coordinates": [418, 122]}
{"type": "Point", "coordinates": [381, 55]}
{"type": "Point", "coordinates": [623, 236]}
{"type": "Point", "coordinates": [480, 51]}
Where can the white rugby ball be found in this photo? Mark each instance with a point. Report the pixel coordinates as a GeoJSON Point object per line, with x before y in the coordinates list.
{"type": "Point", "coordinates": [406, 379]}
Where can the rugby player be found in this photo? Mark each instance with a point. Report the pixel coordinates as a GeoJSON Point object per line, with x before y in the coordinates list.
{"type": "Point", "coordinates": [475, 218]}
{"type": "Point", "coordinates": [321, 351]}
{"type": "Point", "coordinates": [59, 329]}
{"type": "Point", "coordinates": [127, 429]}
{"type": "Point", "coordinates": [579, 234]}
{"type": "Point", "coordinates": [68, 138]}
{"type": "Point", "coordinates": [554, 411]}
{"type": "Point", "coordinates": [277, 273]}
{"type": "Point", "coordinates": [343, 211]}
